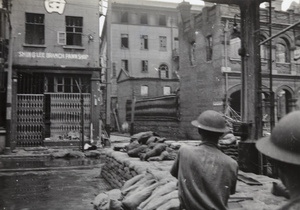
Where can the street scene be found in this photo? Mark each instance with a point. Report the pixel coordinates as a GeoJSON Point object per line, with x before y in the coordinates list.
{"type": "Point", "coordinates": [150, 104]}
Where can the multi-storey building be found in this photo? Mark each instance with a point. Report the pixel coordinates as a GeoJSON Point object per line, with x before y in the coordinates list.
{"type": "Point", "coordinates": [55, 70]}
{"type": "Point", "coordinates": [210, 62]}
{"type": "Point", "coordinates": [142, 38]}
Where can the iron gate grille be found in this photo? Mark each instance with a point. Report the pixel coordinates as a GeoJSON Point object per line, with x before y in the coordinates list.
{"type": "Point", "coordinates": [30, 120]}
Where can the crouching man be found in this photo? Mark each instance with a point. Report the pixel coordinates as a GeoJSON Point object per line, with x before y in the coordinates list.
{"type": "Point", "coordinates": [206, 176]}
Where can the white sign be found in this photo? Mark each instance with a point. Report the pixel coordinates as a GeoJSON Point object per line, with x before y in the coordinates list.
{"type": "Point", "coordinates": [68, 56]}
{"type": "Point", "coordinates": [57, 6]}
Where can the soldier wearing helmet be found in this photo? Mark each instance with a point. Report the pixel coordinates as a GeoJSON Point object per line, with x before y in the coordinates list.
{"type": "Point", "coordinates": [206, 176]}
{"type": "Point", "coordinates": [283, 149]}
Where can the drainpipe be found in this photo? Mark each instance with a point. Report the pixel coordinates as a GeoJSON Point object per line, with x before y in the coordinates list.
{"type": "Point", "coordinates": [226, 64]}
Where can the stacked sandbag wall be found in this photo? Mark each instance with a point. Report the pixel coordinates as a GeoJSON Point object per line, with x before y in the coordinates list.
{"type": "Point", "coordinates": [231, 150]}
{"type": "Point", "coordinates": [117, 169]}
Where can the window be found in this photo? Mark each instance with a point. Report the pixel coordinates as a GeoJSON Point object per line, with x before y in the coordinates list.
{"type": "Point", "coordinates": [74, 30]}
{"type": "Point", "coordinates": [209, 49]}
{"type": "Point", "coordinates": [163, 43]}
{"type": "Point", "coordinates": [235, 45]}
{"type": "Point", "coordinates": [263, 50]}
{"type": "Point", "coordinates": [167, 90]}
{"type": "Point", "coordinates": [125, 65]}
{"type": "Point", "coordinates": [163, 71]}
{"type": "Point", "coordinates": [144, 42]}
{"type": "Point", "coordinates": [35, 29]}
{"type": "Point", "coordinates": [282, 51]}
{"type": "Point", "coordinates": [176, 43]}
{"type": "Point", "coordinates": [144, 18]}
{"type": "Point", "coordinates": [114, 69]}
{"type": "Point", "coordinates": [66, 84]}
{"type": "Point", "coordinates": [144, 90]}
{"type": "Point", "coordinates": [144, 66]}
{"type": "Point", "coordinates": [61, 38]}
{"type": "Point", "coordinates": [162, 20]}
{"type": "Point", "coordinates": [124, 41]}
{"type": "Point", "coordinates": [124, 17]}
{"type": "Point", "coordinates": [192, 53]}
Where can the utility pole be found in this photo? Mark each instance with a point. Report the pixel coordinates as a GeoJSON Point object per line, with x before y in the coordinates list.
{"type": "Point", "coordinates": [11, 101]}
{"type": "Point", "coordinates": [108, 69]}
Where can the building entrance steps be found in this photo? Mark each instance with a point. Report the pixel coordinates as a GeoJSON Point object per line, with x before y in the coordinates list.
{"type": "Point", "coordinates": [119, 167]}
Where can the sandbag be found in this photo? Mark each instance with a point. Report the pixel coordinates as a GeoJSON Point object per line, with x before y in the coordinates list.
{"type": "Point", "coordinates": [158, 192]}
{"type": "Point", "coordinates": [132, 145]}
{"type": "Point", "coordinates": [146, 177]}
{"type": "Point", "coordinates": [101, 202]}
{"type": "Point", "coordinates": [154, 204]}
{"type": "Point", "coordinates": [152, 139]}
{"type": "Point", "coordinates": [172, 204]}
{"type": "Point", "coordinates": [156, 151]}
{"type": "Point", "coordinates": [141, 187]}
{"type": "Point", "coordinates": [137, 151]}
{"type": "Point", "coordinates": [132, 181]}
{"type": "Point", "coordinates": [134, 200]}
{"type": "Point", "coordinates": [163, 156]}
{"type": "Point", "coordinates": [114, 194]}
{"type": "Point", "coordinates": [115, 205]}
{"type": "Point", "coordinates": [141, 137]}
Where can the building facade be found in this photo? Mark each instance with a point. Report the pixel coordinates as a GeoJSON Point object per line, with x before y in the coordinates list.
{"type": "Point", "coordinates": [211, 78]}
{"type": "Point", "coordinates": [55, 70]}
{"type": "Point", "coordinates": [143, 58]}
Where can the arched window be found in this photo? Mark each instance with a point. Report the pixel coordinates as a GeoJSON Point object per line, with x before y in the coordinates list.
{"type": "Point", "coordinates": [282, 51]}
{"type": "Point", "coordinates": [163, 71]}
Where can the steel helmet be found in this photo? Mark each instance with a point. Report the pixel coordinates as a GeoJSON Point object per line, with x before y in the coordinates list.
{"type": "Point", "coordinates": [211, 121]}
{"type": "Point", "coordinates": [284, 142]}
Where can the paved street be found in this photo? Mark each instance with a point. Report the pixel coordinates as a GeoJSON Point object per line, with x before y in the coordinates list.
{"type": "Point", "coordinates": [33, 182]}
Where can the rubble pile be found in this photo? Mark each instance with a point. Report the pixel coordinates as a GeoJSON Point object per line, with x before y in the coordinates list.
{"type": "Point", "coordinates": [144, 191]}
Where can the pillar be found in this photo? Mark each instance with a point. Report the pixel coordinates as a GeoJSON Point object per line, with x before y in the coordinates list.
{"type": "Point", "coordinates": [251, 109]}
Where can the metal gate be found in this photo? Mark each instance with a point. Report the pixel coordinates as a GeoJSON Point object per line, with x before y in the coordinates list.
{"type": "Point", "coordinates": [30, 120]}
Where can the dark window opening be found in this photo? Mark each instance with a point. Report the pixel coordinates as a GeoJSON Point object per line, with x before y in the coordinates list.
{"type": "Point", "coordinates": [74, 26]}
{"type": "Point", "coordinates": [209, 49]}
{"type": "Point", "coordinates": [35, 29]}
{"type": "Point", "coordinates": [144, 18]}
{"type": "Point", "coordinates": [162, 20]}
{"type": "Point", "coordinates": [125, 65]}
{"type": "Point", "coordinates": [144, 42]}
{"type": "Point", "coordinates": [124, 17]}
{"type": "Point", "coordinates": [144, 66]}
{"type": "Point", "coordinates": [124, 41]}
